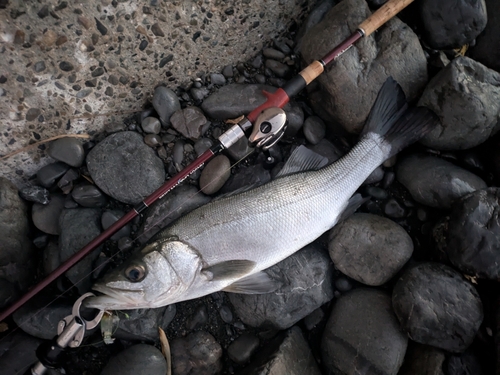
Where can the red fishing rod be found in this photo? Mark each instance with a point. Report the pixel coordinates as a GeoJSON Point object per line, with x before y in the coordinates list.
{"type": "Point", "coordinates": [267, 120]}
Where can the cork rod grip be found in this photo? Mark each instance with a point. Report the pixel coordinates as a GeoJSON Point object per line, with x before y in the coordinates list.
{"type": "Point", "coordinates": [382, 15]}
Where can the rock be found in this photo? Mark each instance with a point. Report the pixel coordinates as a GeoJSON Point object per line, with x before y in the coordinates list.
{"type": "Point", "coordinates": [46, 217]}
{"type": "Point", "coordinates": [202, 145]}
{"type": "Point", "coordinates": [65, 183]}
{"type": "Point", "coordinates": [151, 125]}
{"type": "Point", "coordinates": [450, 24]}
{"type": "Point", "coordinates": [35, 193]}
{"type": "Point", "coordinates": [199, 93]}
{"type": "Point", "coordinates": [79, 226]}
{"type": "Point", "coordinates": [435, 182]}
{"type": "Point", "coordinates": [8, 293]}
{"type": "Point", "coordinates": [125, 168]}
{"type": "Point", "coordinates": [189, 122]}
{"type": "Point", "coordinates": [394, 209]}
{"type": "Point", "coordinates": [51, 258]}
{"type": "Point", "coordinates": [69, 150]}
{"type": "Point", "coordinates": [295, 118]}
{"type": "Point", "coordinates": [234, 100]}
{"type": "Point", "coordinates": [165, 102]}
{"type": "Point", "coordinates": [278, 68]}
{"type": "Point", "coordinates": [288, 353]}
{"type": "Point", "coordinates": [343, 284]}
{"type": "Point", "coordinates": [363, 333]}
{"type": "Point", "coordinates": [446, 316]}
{"type": "Point", "coordinates": [110, 217]}
{"type": "Point", "coordinates": [306, 279]}
{"type": "Point", "coordinates": [17, 352]}
{"type": "Point", "coordinates": [272, 53]}
{"type": "Point", "coordinates": [254, 176]}
{"type": "Point", "coordinates": [314, 17]}
{"type": "Point", "coordinates": [472, 235]}
{"type": "Point", "coordinates": [240, 150]}
{"type": "Point", "coordinates": [314, 129]}
{"type": "Point", "coordinates": [242, 349]}
{"type": "Point", "coordinates": [176, 203]}
{"type": "Point", "coordinates": [142, 324]}
{"type": "Point", "coordinates": [226, 314]}
{"type": "Point", "coordinates": [152, 140]}
{"type": "Point", "coordinates": [215, 174]}
{"type": "Point", "coordinates": [466, 97]}
{"type": "Point", "coordinates": [465, 364]}
{"type": "Point", "coordinates": [198, 318]}
{"type": "Point", "coordinates": [48, 175]}
{"type": "Point", "coordinates": [394, 51]}
{"type": "Point", "coordinates": [422, 360]}
{"type": "Point", "coordinates": [88, 195]}
{"type": "Point", "coordinates": [196, 354]}
{"type": "Point", "coordinates": [327, 149]}
{"type": "Point", "coordinates": [217, 79]}
{"type": "Point", "coordinates": [369, 248]}
{"type": "Point", "coordinates": [139, 359]}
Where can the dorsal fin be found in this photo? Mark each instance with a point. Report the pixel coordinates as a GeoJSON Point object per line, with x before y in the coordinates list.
{"type": "Point", "coordinates": [302, 159]}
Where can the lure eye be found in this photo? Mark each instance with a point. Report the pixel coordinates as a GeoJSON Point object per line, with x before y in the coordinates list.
{"type": "Point", "coordinates": [135, 273]}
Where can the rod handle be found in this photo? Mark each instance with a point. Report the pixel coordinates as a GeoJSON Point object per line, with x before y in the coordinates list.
{"type": "Point", "coordinates": [382, 15]}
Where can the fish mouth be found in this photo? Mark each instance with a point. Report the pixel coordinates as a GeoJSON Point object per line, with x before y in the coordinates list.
{"type": "Point", "coordinates": [112, 299]}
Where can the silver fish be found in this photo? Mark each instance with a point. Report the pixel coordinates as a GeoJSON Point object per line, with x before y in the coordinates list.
{"type": "Point", "coordinates": [226, 244]}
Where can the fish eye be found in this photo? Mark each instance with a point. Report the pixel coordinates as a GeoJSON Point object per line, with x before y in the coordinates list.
{"type": "Point", "coordinates": [135, 273]}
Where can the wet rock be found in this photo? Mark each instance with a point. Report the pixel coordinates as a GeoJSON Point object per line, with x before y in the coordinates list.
{"type": "Point", "coordinates": [198, 354]}
{"type": "Point", "coordinates": [46, 217]}
{"type": "Point", "coordinates": [189, 122]}
{"type": "Point", "coordinates": [35, 193]}
{"type": "Point", "coordinates": [446, 316]}
{"type": "Point", "coordinates": [422, 360]}
{"type": "Point", "coordinates": [234, 100]}
{"type": "Point", "coordinates": [142, 324]}
{"type": "Point", "coordinates": [176, 203]}
{"type": "Point", "coordinates": [139, 359]}
{"type": "Point", "coordinates": [393, 51]}
{"type": "Point", "coordinates": [79, 226]}
{"type": "Point", "coordinates": [48, 175]}
{"type": "Point", "coordinates": [110, 217]}
{"type": "Point", "coordinates": [151, 125]}
{"type": "Point", "coordinates": [435, 182]}
{"type": "Point", "coordinates": [242, 349]}
{"type": "Point", "coordinates": [363, 333]}
{"type": "Point", "coordinates": [18, 352]}
{"type": "Point", "coordinates": [472, 237]}
{"type": "Point", "coordinates": [165, 102]}
{"type": "Point", "coordinates": [125, 168]}
{"type": "Point", "coordinates": [68, 150]}
{"type": "Point", "coordinates": [88, 195]}
{"type": "Point", "coordinates": [369, 248]}
{"type": "Point", "coordinates": [466, 97]}
{"type": "Point", "coordinates": [306, 284]}
{"type": "Point", "coordinates": [450, 24]}
{"type": "Point", "coordinates": [215, 174]}
{"type": "Point", "coordinates": [314, 129]}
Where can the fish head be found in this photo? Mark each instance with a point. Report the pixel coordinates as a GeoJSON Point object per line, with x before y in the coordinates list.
{"type": "Point", "coordinates": [159, 275]}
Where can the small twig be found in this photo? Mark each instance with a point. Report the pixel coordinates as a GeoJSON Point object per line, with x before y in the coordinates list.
{"type": "Point", "coordinates": [165, 349]}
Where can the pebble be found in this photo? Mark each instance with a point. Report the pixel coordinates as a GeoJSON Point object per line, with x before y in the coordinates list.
{"type": "Point", "coordinates": [278, 68]}
{"type": "Point", "coordinates": [227, 71]}
{"type": "Point", "coordinates": [34, 193]}
{"type": "Point", "coordinates": [41, 241]}
{"type": "Point", "coordinates": [449, 313]}
{"type": "Point", "coordinates": [252, 176]}
{"type": "Point", "coordinates": [125, 243]}
{"type": "Point", "coordinates": [271, 53]}
{"type": "Point", "coordinates": [189, 122]}
{"type": "Point", "coordinates": [376, 176]}
{"type": "Point", "coordinates": [139, 359]}
{"type": "Point", "coordinates": [165, 102]}
{"type": "Point", "coordinates": [394, 209]}
{"type": "Point", "coordinates": [199, 93]}
{"type": "Point", "coordinates": [198, 319]}
{"type": "Point", "coordinates": [88, 195]}
{"type": "Point", "coordinates": [46, 216]}
{"type": "Point", "coordinates": [465, 364]}
{"type": "Point", "coordinates": [226, 314]}
{"type": "Point", "coordinates": [178, 152]}
{"type": "Point", "coordinates": [242, 349]}
{"type": "Point", "coordinates": [217, 79]}
{"type": "Point", "coordinates": [376, 192]}
{"type": "Point", "coordinates": [202, 145]}
{"type": "Point", "coordinates": [48, 175]}
{"type": "Point", "coordinates": [328, 150]}
{"type": "Point", "coordinates": [240, 150]}
{"type": "Point", "coordinates": [65, 183]}
{"type": "Point", "coordinates": [151, 125]}
{"type": "Point", "coordinates": [215, 174]}
{"type": "Point", "coordinates": [109, 217]}
{"type": "Point", "coordinates": [343, 284]}
{"type": "Point", "coordinates": [314, 129]}
{"type": "Point", "coordinates": [201, 346]}
{"type": "Point", "coordinates": [18, 350]}
{"type": "Point", "coordinates": [314, 318]}
{"type": "Point", "coordinates": [423, 360]}
{"type": "Point", "coordinates": [153, 140]}
{"type": "Point", "coordinates": [142, 324]}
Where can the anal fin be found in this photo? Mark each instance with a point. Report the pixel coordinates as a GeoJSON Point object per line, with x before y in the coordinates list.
{"type": "Point", "coordinates": [258, 283]}
{"type": "Point", "coordinates": [302, 159]}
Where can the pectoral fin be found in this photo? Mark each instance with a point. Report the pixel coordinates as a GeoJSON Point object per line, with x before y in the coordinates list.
{"type": "Point", "coordinates": [229, 270]}
{"type": "Point", "coordinates": [258, 283]}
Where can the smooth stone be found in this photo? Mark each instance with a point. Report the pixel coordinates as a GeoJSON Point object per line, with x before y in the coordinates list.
{"type": "Point", "coordinates": [369, 248]}
{"type": "Point", "coordinates": [307, 283]}
{"type": "Point", "coordinates": [314, 129]}
{"type": "Point", "coordinates": [278, 68]}
{"type": "Point", "coordinates": [314, 318]}
{"type": "Point", "coordinates": [176, 203]}
{"type": "Point", "coordinates": [110, 217]}
{"type": "Point", "coordinates": [362, 332]}
{"type": "Point", "coordinates": [240, 150]}
{"type": "Point", "coordinates": [198, 319]}
{"type": "Point", "coordinates": [123, 167]}
{"type": "Point", "coordinates": [295, 118]}
{"type": "Point", "coordinates": [165, 103]}
{"type": "Point", "coordinates": [197, 353]}
{"type": "Point", "coordinates": [217, 79]}
{"type": "Point", "coordinates": [88, 195]}
{"type": "Point", "coordinates": [377, 193]}
{"type": "Point", "coordinates": [18, 352]}
{"type": "Point", "coordinates": [446, 316]}
{"type": "Point", "coordinates": [272, 53]}
{"type": "Point", "coordinates": [449, 24]}
{"type": "Point", "coordinates": [69, 150]}
{"type": "Point", "coordinates": [343, 284]}
{"type": "Point", "coordinates": [215, 174]}
{"type": "Point", "coordinates": [376, 176]}
{"type": "Point", "coordinates": [46, 217]}
{"type": "Point", "coordinates": [48, 175]}
{"type": "Point", "coordinates": [435, 182]}
{"type": "Point", "coordinates": [465, 364]}
{"type": "Point", "coordinates": [189, 122]}
{"type": "Point", "coordinates": [423, 360]}
{"type": "Point", "coordinates": [153, 140]}
{"type": "Point", "coordinates": [242, 349]}
{"type": "Point", "coordinates": [142, 324]}
{"type": "Point", "coordinates": [51, 257]}
{"type": "Point", "coordinates": [65, 183]}
{"type": "Point", "coordinates": [178, 151]}
{"type": "Point", "coordinates": [8, 293]}
{"type": "Point", "coordinates": [139, 359]}
{"type": "Point", "coordinates": [226, 314]}
{"type": "Point", "coordinates": [35, 193]}
{"type": "Point", "coordinates": [202, 145]}
{"type": "Point", "coordinates": [228, 71]}
{"type": "Point", "coordinates": [314, 17]}
{"type": "Point", "coordinates": [151, 125]}
{"type": "Point", "coordinates": [468, 112]}
{"type": "Point", "coordinates": [394, 209]}
{"type": "Point", "coordinates": [199, 93]}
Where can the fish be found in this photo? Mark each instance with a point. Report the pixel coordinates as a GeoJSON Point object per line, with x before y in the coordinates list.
{"type": "Point", "coordinates": [227, 244]}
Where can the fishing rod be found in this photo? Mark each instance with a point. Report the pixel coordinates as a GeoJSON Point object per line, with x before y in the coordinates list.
{"type": "Point", "coordinates": [268, 121]}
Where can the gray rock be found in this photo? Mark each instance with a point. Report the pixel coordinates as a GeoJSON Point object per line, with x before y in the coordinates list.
{"type": "Point", "coordinates": [78, 227]}
{"type": "Point", "coordinates": [65, 183]}
{"type": "Point", "coordinates": [228, 71]}
{"type": "Point", "coordinates": [35, 193]}
{"type": "Point", "coordinates": [125, 168]}
{"type": "Point", "coordinates": [253, 176]}
{"type": "Point", "coordinates": [240, 150]}
{"type": "Point", "coordinates": [151, 125]}
{"type": "Point", "coordinates": [198, 318]}
{"type": "Point", "coordinates": [202, 145]}
{"type": "Point", "coordinates": [218, 79]}
{"type": "Point", "coordinates": [234, 100]}
{"type": "Point", "coordinates": [199, 93]}
{"type": "Point", "coordinates": [215, 174]}
{"type": "Point", "coordinates": [467, 363]}
{"type": "Point", "coordinates": [48, 175]}
{"type": "Point", "coordinates": [376, 176]}
{"type": "Point", "coordinates": [422, 360]}
{"type": "Point", "coordinates": [46, 217]}
{"type": "Point", "coordinates": [68, 150]}
{"type": "Point", "coordinates": [450, 24]}
{"type": "Point", "coordinates": [446, 316]}
{"type": "Point", "coordinates": [165, 103]}
{"type": "Point", "coordinates": [140, 359]}
{"type": "Point", "coordinates": [152, 140]}
{"type": "Point", "coordinates": [51, 257]}
{"type": "Point", "coordinates": [278, 68]}
{"type": "Point", "coordinates": [272, 53]}
{"type": "Point", "coordinates": [178, 202]}
{"type": "Point", "coordinates": [242, 349]}
{"type": "Point", "coordinates": [369, 248]}
{"type": "Point", "coordinates": [226, 314]}
{"type": "Point", "coordinates": [394, 209]}
{"type": "Point", "coordinates": [435, 182]}
{"type": "Point", "coordinates": [8, 293]}
{"type": "Point", "coordinates": [110, 217]}
{"type": "Point", "coordinates": [142, 324]}
{"type": "Point", "coordinates": [314, 17]}
{"type": "Point", "coordinates": [88, 195]}
{"type": "Point", "coordinates": [363, 333]}
{"type": "Point", "coordinates": [394, 51]}
{"type": "Point", "coordinates": [306, 277]}
{"type": "Point", "coordinates": [196, 354]}
{"type": "Point", "coordinates": [178, 151]}
{"type": "Point", "coordinates": [189, 122]}
{"type": "Point", "coordinates": [17, 352]}
{"type": "Point", "coordinates": [343, 284]}
{"type": "Point", "coordinates": [313, 319]}
{"type": "Point", "coordinates": [314, 129]}
{"type": "Point", "coordinates": [327, 149]}
{"type": "Point", "coordinates": [466, 97]}
{"type": "Point", "coordinates": [295, 118]}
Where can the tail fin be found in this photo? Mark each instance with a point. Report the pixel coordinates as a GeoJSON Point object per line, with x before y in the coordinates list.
{"type": "Point", "coordinates": [398, 125]}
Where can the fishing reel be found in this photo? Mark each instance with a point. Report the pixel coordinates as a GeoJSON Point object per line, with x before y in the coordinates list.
{"type": "Point", "coordinates": [268, 128]}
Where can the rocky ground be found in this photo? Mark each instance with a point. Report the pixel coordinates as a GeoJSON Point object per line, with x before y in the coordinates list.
{"type": "Point", "coordinates": [407, 285]}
